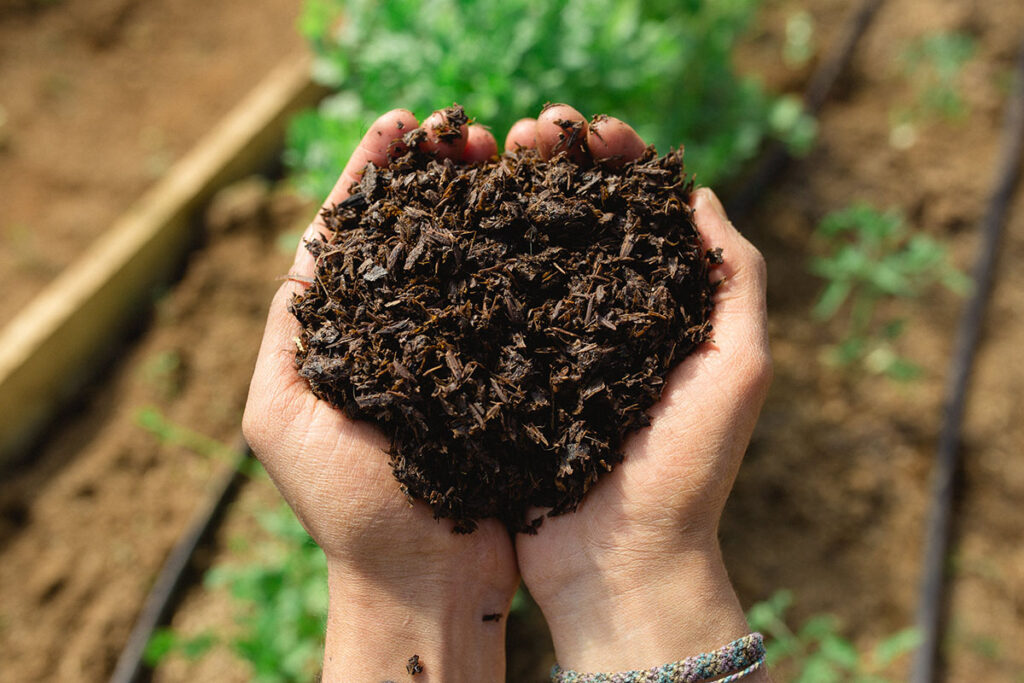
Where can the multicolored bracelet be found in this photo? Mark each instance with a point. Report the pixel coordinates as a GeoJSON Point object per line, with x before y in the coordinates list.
{"type": "Point", "coordinates": [739, 658]}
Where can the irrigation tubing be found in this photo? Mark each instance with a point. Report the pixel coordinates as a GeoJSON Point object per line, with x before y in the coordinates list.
{"type": "Point", "coordinates": [930, 598]}
{"type": "Point", "coordinates": [160, 600]}
{"type": "Point", "coordinates": [820, 85]}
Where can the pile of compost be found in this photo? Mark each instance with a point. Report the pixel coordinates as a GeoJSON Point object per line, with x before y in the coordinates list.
{"type": "Point", "coordinates": [506, 323]}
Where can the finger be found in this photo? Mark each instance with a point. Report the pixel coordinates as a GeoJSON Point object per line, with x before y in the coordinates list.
{"type": "Point", "coordinates": [275, 379]}
{"type": "Point", "coordinates": [613, 141]}
{"type": "Point", "coordinates": [480, 145]}
{"type": "Point", "coordinates": [373, 148]}
{"type": "Point", "coordinates": [522, 135]}
{"type": "Point", "coordinates": [560, 128]}
{"type": "Point", "coordinates": [275, 374]}
{"type": "Point", "coordinates": [739, 319]}
{"type": "Point", "coordinates": [446, 133]}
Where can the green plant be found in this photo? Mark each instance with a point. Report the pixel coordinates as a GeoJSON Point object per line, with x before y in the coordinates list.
{"type": "Point", "coordinates": [163, 372]}
{"type": "Point", "coordinates": [280, 607]}
{"type": "Point", "coordinates": [933, 63]}
{"type": "Point", "coordinates": [663, 66]}
{"type": "Point", "coordinates": [817, 653]}
{"type": "Point", "coordinates": [798, 47]}
{"type": "Point", "coordinates": [166, 642]}
{"type": "Point", "coordinates": [873, 257]}
{"type": "Point", "coordinates": [169, 432]}
{"type": "Point", "coordinates": [282, 603]}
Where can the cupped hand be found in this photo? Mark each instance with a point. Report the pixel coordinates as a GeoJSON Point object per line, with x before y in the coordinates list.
{"type": "Point", "coordinates": [642, 547]}
{"type": "Point", "coordinates": [399, 578]}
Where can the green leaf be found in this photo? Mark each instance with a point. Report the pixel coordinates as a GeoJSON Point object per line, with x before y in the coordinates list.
{"type": "Point", "coordinates": [663, 66]}
{"type": "Point", "coordinates": [818, 669]}
{"type": "Point", "coordinates": [818, 628]}
{"type": "Point", "coordinates": [160, 645]}
{"type": "Point", "coordinates": [840, 652]}
{"type": "Point", "coordinates": [871, 257]}
{"type": "Point", "coordinates": [895, 646]}
{"type": "Point", "coordinates": [195, 648]}
{"type": "Point", "coordinates": [831, 298]}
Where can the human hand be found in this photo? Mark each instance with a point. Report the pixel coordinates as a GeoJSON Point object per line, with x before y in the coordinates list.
{"type": "Point", "coordinates": [634, 578]}
{"type": "Point", "coordinates": [401, 583]}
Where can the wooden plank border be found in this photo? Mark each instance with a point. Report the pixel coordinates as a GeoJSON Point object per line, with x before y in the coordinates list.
{"type": "Point", "coordinates": [47, 350]}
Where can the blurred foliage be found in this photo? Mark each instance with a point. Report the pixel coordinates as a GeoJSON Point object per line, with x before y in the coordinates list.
{"type": "Point", "coordinates": [662, 65]}
{"type": "Point", "coordinates": [281, 603]}
{"type": "Point", "coordinates": [280, 608]}
{"type": "Point", "coordinates": [171, 433]}
{"type": "Point", "coordinates": [163, 373]}
{"type": "Point", "coordinates": [873, 257]}
{"type": "Point", "coordinates": [817, 652]}
{"type": "Point", "coordinates": [933, 64]}
{"type": "Point", "coordinates": [798, 48]}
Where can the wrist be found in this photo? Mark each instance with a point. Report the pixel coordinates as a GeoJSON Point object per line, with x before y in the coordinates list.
{"type": "Point", "coordinates": [646, 614]}
{"type": "Point", "coordinates": [374, 627]}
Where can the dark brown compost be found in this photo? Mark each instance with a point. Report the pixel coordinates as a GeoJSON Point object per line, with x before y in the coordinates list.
{"type": "Point", "coordinates": [506, 323]}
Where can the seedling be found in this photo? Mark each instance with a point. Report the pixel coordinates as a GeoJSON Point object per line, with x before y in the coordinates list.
{"type": "Point", "coordinates": [817, 652]}
{"type": "Point", "coordinates": [163, 373]}
{"type": "Point", "coordinates": [798, 48]}
{"type": "Point", "coordinates": [873, 257]}
{"type": "Point", "coordinates": [280, 608]}
{"type": "Point", "coordinates": [933, 64]}
{"type": "Point", "coordinates": [168, 432]}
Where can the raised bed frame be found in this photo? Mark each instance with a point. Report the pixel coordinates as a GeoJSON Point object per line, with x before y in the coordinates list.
{"type": "Point", "coordinates": [53, 346]}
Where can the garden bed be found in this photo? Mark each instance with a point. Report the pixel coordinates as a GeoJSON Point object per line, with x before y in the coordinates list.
{"type": "Point", "coordinates": [831, 500]}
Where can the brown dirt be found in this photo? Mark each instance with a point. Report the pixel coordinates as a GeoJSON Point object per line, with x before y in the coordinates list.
{"type": "Point", "coordinates": [88, 526]}
{"type": "Point", "coordinates": [831, 501]}
{"type": "Point", "coordinates": [100, 97]}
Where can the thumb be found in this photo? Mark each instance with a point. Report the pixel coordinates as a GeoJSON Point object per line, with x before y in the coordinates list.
{"type": "Point", "coordinates": [740, 314]}
{"type": "Point", "coordinates": [739, 350]}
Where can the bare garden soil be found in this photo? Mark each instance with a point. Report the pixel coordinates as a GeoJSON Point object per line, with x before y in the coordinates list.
{"type": "Point", "coordinates": [831, 501]}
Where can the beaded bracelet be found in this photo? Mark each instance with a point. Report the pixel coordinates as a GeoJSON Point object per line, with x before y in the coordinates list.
{"type": "Point", "coordinates": [739, 658]}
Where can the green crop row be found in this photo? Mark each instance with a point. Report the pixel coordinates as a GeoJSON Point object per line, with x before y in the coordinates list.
{"type": "Point", "coordinates": [665, 66]}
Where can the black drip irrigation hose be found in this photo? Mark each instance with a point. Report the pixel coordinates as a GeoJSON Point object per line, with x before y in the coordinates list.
{"type": "Point", "coordinates": [160, 601]}
{"type": "Point", "coordinates": [930, 598]}
{"type": "Point", "coordinates": [821, 83]}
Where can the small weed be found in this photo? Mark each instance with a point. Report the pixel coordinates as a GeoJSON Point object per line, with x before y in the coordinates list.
{"type": "Point", "coordinates": [171, 433]}
{"type": "Point", "coordinates": [817, 652]}
{"type": "Point", "coordinates": [798, 48]}
{"type": "Point", "coordinates": [280, 608]}
{"type": "Point", "coordinates": [163, 373]}
{"type": "Point", "coordinates": [933, 63]}
{"type": "Point", "coordinates": [166, 642]}
{"type": "Point", "coordinates": [873, 257]}
{"type": "Point", "coordinates": [281, 603]}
